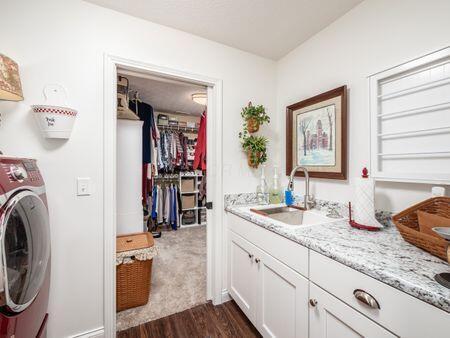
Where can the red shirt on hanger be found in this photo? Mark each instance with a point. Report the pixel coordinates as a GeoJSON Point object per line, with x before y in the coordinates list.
{"type": "Point", "coordinates": [200, 148]}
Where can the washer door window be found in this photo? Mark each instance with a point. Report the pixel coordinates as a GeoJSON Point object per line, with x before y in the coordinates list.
{"type": "Point", "coordinates": [26, 249]}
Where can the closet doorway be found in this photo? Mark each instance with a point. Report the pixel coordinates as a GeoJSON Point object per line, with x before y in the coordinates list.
{"type": "Point", "coordinates": [164, 187]}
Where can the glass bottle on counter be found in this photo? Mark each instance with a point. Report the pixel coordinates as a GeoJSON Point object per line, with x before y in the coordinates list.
{"type": "Point", "coordinates": [275, 193]}
{"type": "Point", "coordinates": [262, 190]}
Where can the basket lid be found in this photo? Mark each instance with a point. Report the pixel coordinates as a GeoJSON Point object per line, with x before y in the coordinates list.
{"type": "Point", "coordinates": [134, 241]}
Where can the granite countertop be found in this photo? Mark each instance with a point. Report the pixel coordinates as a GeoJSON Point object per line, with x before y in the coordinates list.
{"type": "Point", "coordinates": [383, 255]}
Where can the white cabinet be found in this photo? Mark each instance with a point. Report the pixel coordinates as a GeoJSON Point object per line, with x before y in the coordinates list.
{"type": "Point", "coordinates": [242, 275]}
{"type": "Point", "coordinates": [268, 279]}
{"type": "Point", "coordinates": [282, 299]}
{"type": "Point", "coordinates": [273, 296]}
{"type": "Point", "coordinates": [331, 318]}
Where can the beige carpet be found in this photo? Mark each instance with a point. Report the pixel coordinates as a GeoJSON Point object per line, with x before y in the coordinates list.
{"type": "Point", "coordinates": [178, 277]}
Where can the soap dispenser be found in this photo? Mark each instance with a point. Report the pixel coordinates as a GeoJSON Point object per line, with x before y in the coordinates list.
{"type": "Point", "coordinates": [262, 190]}
{"type": "Point", "coordinates": [275, 194]}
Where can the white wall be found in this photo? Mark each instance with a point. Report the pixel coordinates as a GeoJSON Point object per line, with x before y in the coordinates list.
{"type": "Point", "coordinates": [375, 35]}
{"type": "Point", "coordinates": [64, 42]}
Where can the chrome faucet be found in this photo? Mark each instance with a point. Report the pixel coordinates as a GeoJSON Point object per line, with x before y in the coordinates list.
{"type": "Point", "coordinates": [307, 200]}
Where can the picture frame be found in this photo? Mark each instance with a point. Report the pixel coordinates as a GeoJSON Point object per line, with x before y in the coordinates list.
{"type": "Point", "coordinates": [316, 135]}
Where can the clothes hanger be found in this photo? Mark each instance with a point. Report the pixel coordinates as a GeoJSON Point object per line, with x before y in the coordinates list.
{"type": "Point", "coordinates": [136, 96]}
{"type": "Point", "coordinates": [134, 100]}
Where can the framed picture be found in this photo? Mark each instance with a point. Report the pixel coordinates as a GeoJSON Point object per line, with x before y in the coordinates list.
{"type": "Point", "coordinates": [316, 135]}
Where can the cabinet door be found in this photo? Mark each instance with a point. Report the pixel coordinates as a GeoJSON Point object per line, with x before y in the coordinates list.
{"type": "Point", "coordinates": [282, 299]}
{"type": "Point", "coordinates": [242, 275]}
{"type": "Point", "coordinates": [331, 318]}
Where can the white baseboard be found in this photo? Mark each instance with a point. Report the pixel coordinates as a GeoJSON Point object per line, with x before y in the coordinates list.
{"type": "Point", "coordinates": [225, 296]}
{"type": "Point", "coordinates": [96, 333]}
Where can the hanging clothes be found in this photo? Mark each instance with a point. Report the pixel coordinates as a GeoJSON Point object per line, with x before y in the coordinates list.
{"type": "Point", "coordinates": [154, 140]}
{"type": "Point", "coordinates": [159, 216]}
{"type": "Point", "coordinates": [173, 208]}
{"type": "Point", "coordinates": [163, 149]}
{"type": "Point", "coordinates": [145, 113]}
{"type": "Point", "coordinates": [145, 191]}
{"type": "Point", "coordinates": [172, 151]}
{"type": "Point", "coordinates": [200, 148]}
{"type": "Point", "coordinates": [179, 204]}
{"type": "Point", "coordinates": [202, 190]}
{"type": "Point", "coordinates": [166, 205]}
{"type": "Point", "coordinates": [150, 135]}
{"type": "Point", "coordinates": [154, 151]}
{"type": "Point", "coordinates": [154, 203]}
{"type": "Point", "coordinates": [184, 146]}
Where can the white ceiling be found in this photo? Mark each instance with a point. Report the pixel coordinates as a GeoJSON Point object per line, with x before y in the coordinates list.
{"type": "Point", "coordinates": [269, 28]}
{"type": "Point", "coordinates": [166, 95]}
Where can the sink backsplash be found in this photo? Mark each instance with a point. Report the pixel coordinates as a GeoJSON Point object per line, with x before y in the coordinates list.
{"type": "Point", "coordinates": [244, 198]}
{"type": "Point", "coordinates": [384, 217]}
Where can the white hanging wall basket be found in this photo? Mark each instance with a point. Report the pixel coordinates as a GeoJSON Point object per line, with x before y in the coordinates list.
{"type": "Point", "coordinates": [54, 118]}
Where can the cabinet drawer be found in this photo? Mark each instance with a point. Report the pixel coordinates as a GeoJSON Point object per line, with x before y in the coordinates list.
{"type": "Point", "coordinates": [290, 253]}
{"type": "Point", "coordinates": [399, 312]}
{"type": "Point", "coordinates": [332, 318]}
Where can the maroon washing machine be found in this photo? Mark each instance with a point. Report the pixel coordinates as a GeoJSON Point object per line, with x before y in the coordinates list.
{"type": "Point", "coordinates": [24, 250]}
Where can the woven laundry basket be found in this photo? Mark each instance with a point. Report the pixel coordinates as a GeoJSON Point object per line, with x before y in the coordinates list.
{"type": "Point", "coordinates": [134, 260]}
{"type": "Point", "coordinates": [408, 224]}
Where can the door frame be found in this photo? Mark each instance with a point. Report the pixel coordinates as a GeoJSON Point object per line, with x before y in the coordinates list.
{"type": "Point", "coordinates": [214, 178]}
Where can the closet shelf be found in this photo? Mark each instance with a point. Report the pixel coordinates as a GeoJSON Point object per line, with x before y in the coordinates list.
{"type": "Point", "coordinates": [167, 177]}
{"type": "Point", "coordinates": [178, 128]}
{"type": "Point", "coordinates": [195, 208]}
{"type": "Point", "coordinates": [177, 176]}
{"type": "Point", "coordinates": [189, 192]}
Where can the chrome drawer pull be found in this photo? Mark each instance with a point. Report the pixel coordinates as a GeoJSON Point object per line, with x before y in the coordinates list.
{"type": "Point", "coordinates": [313, 302]}
{"type": "Point", "coordinates": [366, 298]}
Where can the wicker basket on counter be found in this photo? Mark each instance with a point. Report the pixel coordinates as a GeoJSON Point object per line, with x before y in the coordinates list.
{"type": "Point", "coordinates": [408, 224]}
{"type": "Point", "coordinates": [134, 277]}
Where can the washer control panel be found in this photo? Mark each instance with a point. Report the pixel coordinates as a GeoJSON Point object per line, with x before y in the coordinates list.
{"type": "Point", "coordinates": [33, 172]}
{"type": "Point", "coordinates": [20, 171]}
{"type": "Point", "coordinates": [17, 173]}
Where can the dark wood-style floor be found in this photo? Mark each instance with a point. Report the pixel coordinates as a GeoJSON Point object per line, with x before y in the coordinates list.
{"type": "Point", "coordinates": [225, 320]}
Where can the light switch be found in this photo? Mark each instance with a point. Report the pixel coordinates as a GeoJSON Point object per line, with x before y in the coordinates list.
{"type": "Point", "coordinates": [83, 186]}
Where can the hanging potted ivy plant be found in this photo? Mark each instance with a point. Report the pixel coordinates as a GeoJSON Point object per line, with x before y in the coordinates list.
{"type": "Point", "coordinates": [256, 148]}
{"type": "Point", "coordinates": [254, 116]}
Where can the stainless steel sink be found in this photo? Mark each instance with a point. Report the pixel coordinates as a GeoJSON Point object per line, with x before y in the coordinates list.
{"type": "Point", "coordinates": [288, 215]}
{"type": "Point", "coordinates": [292, 215]}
